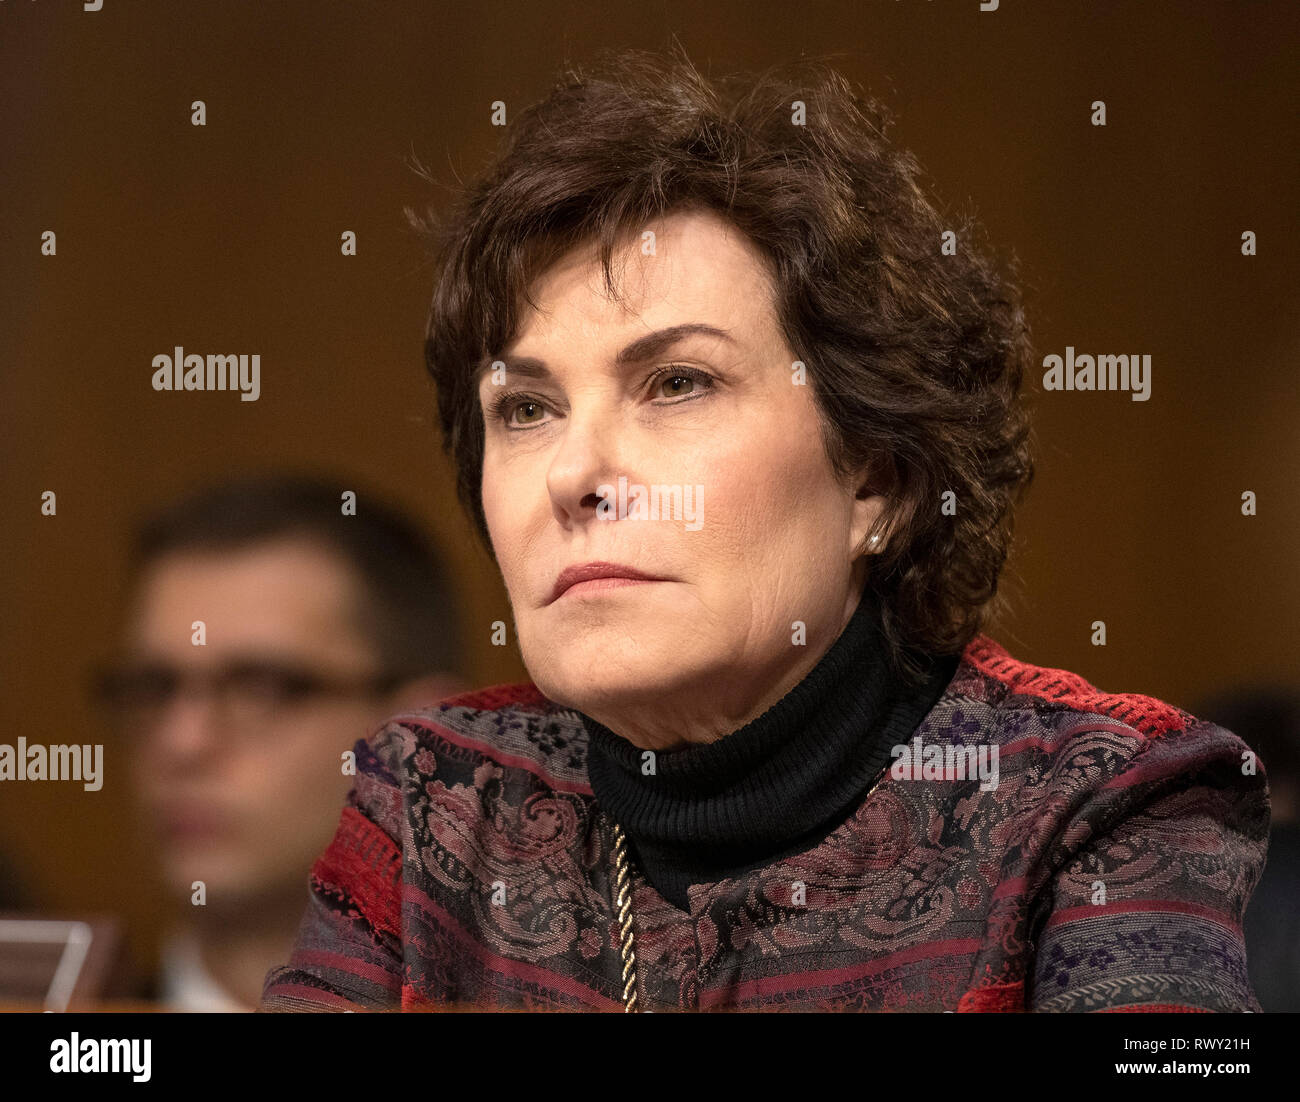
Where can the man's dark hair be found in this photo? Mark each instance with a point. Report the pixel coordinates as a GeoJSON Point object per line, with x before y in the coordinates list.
{"type": "Point", "coordinates": [406, 611]}
{"type": "Point", "coordinates": [915, 357]}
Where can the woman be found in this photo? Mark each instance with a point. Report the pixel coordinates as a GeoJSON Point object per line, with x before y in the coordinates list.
{"type": "Point", "coordinates": [741, 427]}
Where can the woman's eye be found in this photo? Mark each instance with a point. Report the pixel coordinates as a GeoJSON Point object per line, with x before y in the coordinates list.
{"type": "Point", "coordinates": [519, 406]}
{"type": "Point", "coordinates": [507, 407]}
{"type": "Point", "coordinates": [516, 411]}
{"type": "Point", "coordinates": [679, 382]}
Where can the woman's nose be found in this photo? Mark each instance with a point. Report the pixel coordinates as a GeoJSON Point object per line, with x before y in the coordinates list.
{"type": "Point", "coordinates": [589, 455]}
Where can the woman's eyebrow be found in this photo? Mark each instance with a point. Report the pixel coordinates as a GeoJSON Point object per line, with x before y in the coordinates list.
{"type": "Point", "coordinates": [643, 348]}
{"type": "Point", "coordinates": [652, 344]}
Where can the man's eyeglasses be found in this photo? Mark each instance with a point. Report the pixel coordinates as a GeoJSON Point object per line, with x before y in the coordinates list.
{"type": "Point", "coordinates": [246, 693]}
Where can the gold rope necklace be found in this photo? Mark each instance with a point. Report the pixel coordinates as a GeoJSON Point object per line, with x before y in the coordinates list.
{"type": "Point", "coordinates": [623, 906]}
{"type": "Point", "coordinates": [623, 903]}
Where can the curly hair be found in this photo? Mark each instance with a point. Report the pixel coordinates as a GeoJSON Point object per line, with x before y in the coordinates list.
{"type": "Point", "coordinates": [915, 353]}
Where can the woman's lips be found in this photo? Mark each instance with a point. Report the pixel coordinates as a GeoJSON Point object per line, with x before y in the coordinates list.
{"type": "Point", "coordinates": [595, 585]}
{"type": "Point", "coordinates": [580, 575]}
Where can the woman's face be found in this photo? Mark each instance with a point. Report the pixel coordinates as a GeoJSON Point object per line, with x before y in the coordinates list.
{"type": "Point", "coordinates": [608, 415]}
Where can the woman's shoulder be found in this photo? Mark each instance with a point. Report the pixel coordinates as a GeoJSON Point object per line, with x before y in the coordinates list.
{"type": "Point", "coordinates": [989, 675]}
{"type": "Point", "coordinates": [1056, 720]}
{"type": "Point", "coordinates": [511, 729]}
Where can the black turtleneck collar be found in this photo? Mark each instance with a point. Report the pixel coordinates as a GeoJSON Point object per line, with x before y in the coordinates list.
{"type": "Point", "coordinates": [779, 784]}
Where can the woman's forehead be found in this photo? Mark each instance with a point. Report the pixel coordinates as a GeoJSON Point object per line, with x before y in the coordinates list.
{"type": "Point", "coordinates": [699, 271]}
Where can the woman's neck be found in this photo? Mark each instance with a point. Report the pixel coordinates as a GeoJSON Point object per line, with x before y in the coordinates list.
{"type": "Point", "coordinates": [777, 783]}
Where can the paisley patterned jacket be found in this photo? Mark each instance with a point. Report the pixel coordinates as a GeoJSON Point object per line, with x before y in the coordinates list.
{"type": "Point", "coordinates": [1108, 869]}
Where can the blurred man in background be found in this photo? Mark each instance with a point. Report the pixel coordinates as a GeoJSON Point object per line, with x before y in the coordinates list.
{"type": "Point", "coordinates": [317, 624]}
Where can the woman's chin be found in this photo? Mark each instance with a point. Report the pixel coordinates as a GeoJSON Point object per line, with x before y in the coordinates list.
{"type": "Point", "coordinates": [628, 686]}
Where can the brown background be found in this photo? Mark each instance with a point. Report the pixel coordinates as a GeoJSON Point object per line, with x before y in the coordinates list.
{"type": "Point", "coordinates": [225, 239]}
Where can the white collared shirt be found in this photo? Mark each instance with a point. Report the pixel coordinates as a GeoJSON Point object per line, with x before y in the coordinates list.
{"type": "Point", "coordinates": [187, 986]}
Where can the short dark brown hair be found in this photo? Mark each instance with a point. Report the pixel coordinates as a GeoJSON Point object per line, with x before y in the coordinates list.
{"type": "Point", "coordinates": [406, 613]}
{"type": "Point", "coordinates": [915, 357]}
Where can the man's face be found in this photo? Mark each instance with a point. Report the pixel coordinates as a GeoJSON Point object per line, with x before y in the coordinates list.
{"type": "Point", "coordinates": [245, 806]}
{"type": "Point", "coordinates": [718, 417]}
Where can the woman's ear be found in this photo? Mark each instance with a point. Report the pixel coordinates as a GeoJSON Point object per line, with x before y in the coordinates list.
{"type": "Point", "coordinates": [867, 534]}
{"type": "Point", "coordinates": [868, 537]}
